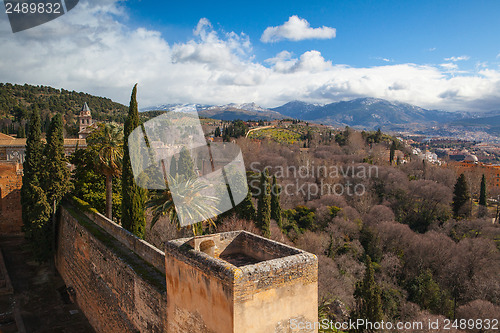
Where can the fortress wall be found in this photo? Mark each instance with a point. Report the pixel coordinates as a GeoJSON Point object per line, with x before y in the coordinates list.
{"type": "Point", "coordinates": [143, 249]}
{"type": "Point", "coordinates": [199, 301]}
{"type": "Point", "coordinates": [10, 197]}
{"type": "Point", "coordinates": [281, 290]}
{"type": "Point", "coordinates": [116, 289]}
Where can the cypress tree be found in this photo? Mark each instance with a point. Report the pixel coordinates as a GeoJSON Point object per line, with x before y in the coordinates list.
{"type": "Point", "coordinates": [56, 173]}
{"type": "Point", "coordinates": [133, 197]}
{"type": "Point", "coordinates": [185, 165]}
{"type": "Point", "coordinates": [275, 201]}
{"type": "Point", "coordinates": [31, 166]}
{"type": "Point", "coordinates": [460, 197]}
{"type": "Point", "coordinates": [264, 205]}
{"type": "Point", "coordinates": [173, 166]}
{"type": "Point", "coordinates": [39, 229]}
{"type": "Point", "coordinates": [482, 195]}
{"type": "Point", "coordinates": [368, 298]}
{"type": "Point", "coordinates": [392, 151]}
{"type": "Point", "coordinates": [20, 132]}
{"type": "Point", "coordinates": [246, 209]}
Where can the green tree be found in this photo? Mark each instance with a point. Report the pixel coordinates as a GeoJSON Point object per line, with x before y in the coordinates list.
{"type": "Point", "coordinates": [392, 152]}
{"type": "Point", "coordinates": [20, 131]}
{"type": "Point", "coordinates": [275, 201]}
{"type": "Point", "coordinates": [31, 166]}
{"type": "Point", "coordinates": [461, 197]}
{"type": "Point", "coordinates": [482, 195]}
{"type": "Point", "coordinates": [173, 166]}
{"type": "Point", "coordinates": [246, 209]}
{"type": "Point", "coordinates": [264, 205]}
{"type": "Point", "coordinates": [133, 197]}
{"type": "Point", "coordinates": [368, 298]}
{"type": "Point", "coordinates": [39, 230]}
{"type": "Point", "coordinates": [56, 174]}
{"type": "Point", "coordinates": [424, 291]}
{"type": "Point", "coordinates": [90, 185]}
{"type": "Point", "coordinates": [185, 165]}
{"type": "Point", "coordinates": [371, 243]}
{"type": "Point", "coordinates": [191, 202]}
{"type": "Point", "coordinates": [107, 142]}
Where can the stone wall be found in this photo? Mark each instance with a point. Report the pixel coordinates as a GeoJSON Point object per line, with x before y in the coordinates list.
{"type": "Point", "coordinates": [268, 286]}
{"type": "Point", "coordinates": [233, 282]}
{"type": "Point", "coordinates": [116, 288]}
{"type": "Point", "coordinates": [10, 197]}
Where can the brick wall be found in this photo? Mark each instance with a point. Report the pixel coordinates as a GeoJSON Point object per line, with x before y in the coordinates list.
{"type": "Point", "coordinates": [10, 197]}
{"type": "Point", "coordinates": [116, 289]}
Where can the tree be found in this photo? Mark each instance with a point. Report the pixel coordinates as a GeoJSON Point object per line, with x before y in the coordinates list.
{"type": "Point", "coordinates": [461, 197]}
{"type": "Point", "coordinates": [392, 151]}
{"type": "Point", "coordinates": [133, 197]}
{"type": "Point", "coordinates": [368, 298]}
{"type": "Point", "coordinates": [264, 205]}
{"type": "Point", "coordinates": [246, 209]}
{"type": "Point", "coordinates": [173, 166]}
{"type": "Point", "coordinates": [275, 201]}
{"type": "Point", "coordinates": [424, 291]}
{"type": "Point", "coordinates": [191, 202]}
{"type": "Point", "coordinates": [482, 195]}
{"type": "Point", "coordinates": [90, 185]}
{"type": "Point", "coordinates": [56, 174]}
{"type": "Point", "coordinates": [31, 165]}
{"type": "Point", "coordinates": [107, 142]}
{"type": "Point", "coordinates": [38, 231]}
{"type": "Point", "coordinates": [20, 131]}
{"type": "Point", "coordinates": [185, 165]}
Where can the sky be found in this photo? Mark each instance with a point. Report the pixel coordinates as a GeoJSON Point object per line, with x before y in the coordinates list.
{"type": "Point", "coordinates": [434, 54]}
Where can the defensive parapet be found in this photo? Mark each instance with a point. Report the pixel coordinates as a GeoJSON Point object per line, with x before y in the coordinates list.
{"type": "Point", "coordinates": [239, 282]}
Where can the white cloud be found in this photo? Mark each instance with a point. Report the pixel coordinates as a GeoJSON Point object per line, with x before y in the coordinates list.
{"type": "Point", "coordinates": [89, 50]}
{"type": "Point", "coordinates": [310, 61]}
{"type": "Point", "coordinates": [296, 29]}
{"type": "Point", "coordinates": [460, 58]}
{"type": "Point", "coordinates": [449, 66]}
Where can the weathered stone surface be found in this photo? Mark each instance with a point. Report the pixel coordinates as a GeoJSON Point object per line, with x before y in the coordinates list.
{"type": "Point", "coordinates": [116, 289]}
{"type": "Point", "coordinates": [120, 286]}
{"type": "Point", "coordinates": [278, 283]}
{"type": "Point", "coordinates": [10, 197]}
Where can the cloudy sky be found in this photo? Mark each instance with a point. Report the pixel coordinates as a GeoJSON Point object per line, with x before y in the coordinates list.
{"type": "Point", "coordinates": [434, 54]}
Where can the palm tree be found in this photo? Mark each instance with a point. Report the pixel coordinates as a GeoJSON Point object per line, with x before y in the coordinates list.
{"type": "Point", "coordinates": [107, 142]}
{"type": "Point", "coordinates": [191, 203]}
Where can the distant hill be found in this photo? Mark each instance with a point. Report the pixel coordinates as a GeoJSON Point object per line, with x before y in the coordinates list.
{"type": "Point", "coordinates": [17, 101]}
{"type": "Point", "coordinates": [487, 123]}
{"type": "Point", "coordinates": [368, 113]}
{"type": "Point", "coordinates": [229, 112]}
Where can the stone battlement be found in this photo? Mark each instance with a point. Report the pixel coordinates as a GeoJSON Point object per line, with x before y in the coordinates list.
{"type": "Point", "coordinates": [226, 282]}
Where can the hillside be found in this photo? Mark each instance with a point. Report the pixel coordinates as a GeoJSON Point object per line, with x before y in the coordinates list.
{"type": "Point", "coordinates": [367, 113]}
{"type": "Point", "coordinates": [490, 124]}
{"type": "Point", "coordinates": [16, 101]}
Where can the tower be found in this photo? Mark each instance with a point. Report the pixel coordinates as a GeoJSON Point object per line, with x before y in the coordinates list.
{"type": "Point", "coordinates": [85, 121]}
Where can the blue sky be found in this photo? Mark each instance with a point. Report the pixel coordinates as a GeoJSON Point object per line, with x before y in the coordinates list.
{"type": "Point", "coordinates": [367, 31]}
{"type": "Point", "coordinates": [434, 54]}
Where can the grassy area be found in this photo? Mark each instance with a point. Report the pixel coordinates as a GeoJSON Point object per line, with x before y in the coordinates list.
{"type": "Point", "coordinates": [280, 135]}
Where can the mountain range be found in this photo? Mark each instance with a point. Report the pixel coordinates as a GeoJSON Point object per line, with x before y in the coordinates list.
{"type": "Point", "coordinates": [361, 113]}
